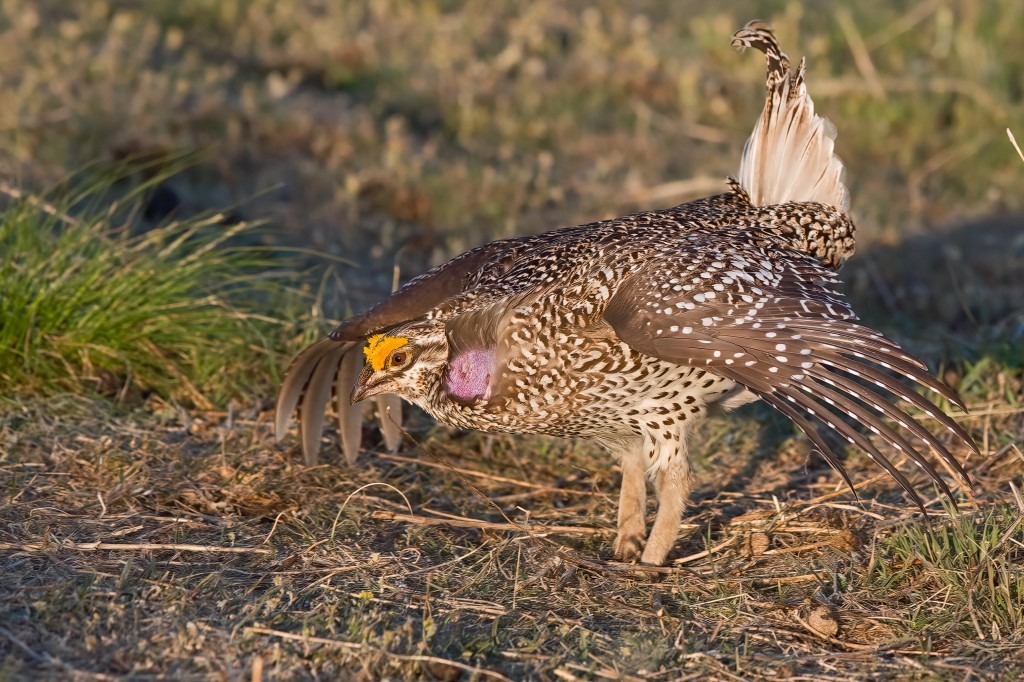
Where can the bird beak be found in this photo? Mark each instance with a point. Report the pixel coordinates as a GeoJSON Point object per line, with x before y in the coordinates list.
{"type": "Point", "coordinates": [367, 386]}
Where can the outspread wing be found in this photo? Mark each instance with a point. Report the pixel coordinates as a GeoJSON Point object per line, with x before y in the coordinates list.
{"type": "Point", "coordinates": [770, 321]}
{"type": "Point", "coordinates": [334, 362]}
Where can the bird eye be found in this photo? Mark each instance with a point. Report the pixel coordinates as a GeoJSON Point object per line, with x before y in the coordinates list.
{"type": "Point", "coordinates": [398, 359]}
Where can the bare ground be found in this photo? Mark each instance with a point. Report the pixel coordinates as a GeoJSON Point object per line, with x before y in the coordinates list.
{"type": "Point", "coordinates": [162, 543]}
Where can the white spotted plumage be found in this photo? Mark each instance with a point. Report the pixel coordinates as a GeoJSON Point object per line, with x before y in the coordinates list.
{"type": "Point", "coordinates": [629, 331]}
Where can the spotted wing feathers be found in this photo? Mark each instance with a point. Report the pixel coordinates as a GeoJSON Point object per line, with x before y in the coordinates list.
{"type": "Point", "coordinates": [768, 319]}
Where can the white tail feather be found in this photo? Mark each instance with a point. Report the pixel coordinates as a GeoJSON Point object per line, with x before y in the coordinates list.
{"type": "Point", "coordinates": [790, 155]}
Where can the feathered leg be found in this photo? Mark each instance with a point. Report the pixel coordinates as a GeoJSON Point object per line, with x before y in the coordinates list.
{"type": "Point", "coordinates": [673, 484]}
{"type": "Point", "coordinates": [632, 506]}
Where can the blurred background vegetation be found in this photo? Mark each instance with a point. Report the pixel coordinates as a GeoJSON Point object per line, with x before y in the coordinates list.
{"type": "Point", "coordinates": [398, 132]}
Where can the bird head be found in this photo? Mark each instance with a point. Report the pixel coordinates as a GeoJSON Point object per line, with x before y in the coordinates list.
{"type": "Point", "coordinates": [407, 361]}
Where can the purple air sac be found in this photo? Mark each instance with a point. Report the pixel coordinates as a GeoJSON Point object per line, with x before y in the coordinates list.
{"type": "Point", "coordinates": [469, 375]}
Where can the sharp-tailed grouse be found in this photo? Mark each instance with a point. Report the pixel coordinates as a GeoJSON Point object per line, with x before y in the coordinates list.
{"type": "Point", "coordinates": [629, 331]}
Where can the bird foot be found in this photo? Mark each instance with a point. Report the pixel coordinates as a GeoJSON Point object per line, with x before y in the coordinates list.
{"type": "Point", "coordinates": [627, 547]}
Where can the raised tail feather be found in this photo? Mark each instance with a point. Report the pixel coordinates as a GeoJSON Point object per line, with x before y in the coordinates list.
{"type": "Point", "coordinates": [790, 155]}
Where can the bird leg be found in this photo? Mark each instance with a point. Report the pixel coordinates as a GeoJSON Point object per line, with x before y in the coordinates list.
{"type": "Point", "coordinates": [673, 488]}
{"type": "Point", "coordinates": [632, 507]}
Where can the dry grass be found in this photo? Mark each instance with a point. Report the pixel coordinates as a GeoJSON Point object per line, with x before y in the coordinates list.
{"type": "Point", "coordinates": [161, 542]}
{"type": "Point", "coordinates": [406, 131]}
{"type": "Point", "coordinates": [186, 545]}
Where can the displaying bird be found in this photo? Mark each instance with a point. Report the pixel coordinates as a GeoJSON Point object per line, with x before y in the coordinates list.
{"type": "Point", "coordinates": [629, 331]}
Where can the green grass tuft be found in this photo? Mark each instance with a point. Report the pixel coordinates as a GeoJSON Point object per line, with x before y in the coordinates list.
{"type": "Point", "coordinates": [95, 299]}
{"type": "Point", "coordinates": [969, 564]}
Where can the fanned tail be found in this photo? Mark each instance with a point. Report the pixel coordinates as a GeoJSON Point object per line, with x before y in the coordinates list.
{"type": "Point", "coordinates": [790, 156]}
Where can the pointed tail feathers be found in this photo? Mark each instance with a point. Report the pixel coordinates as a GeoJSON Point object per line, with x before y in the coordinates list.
{"type": "Point", "coordinates": [790, 155]}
